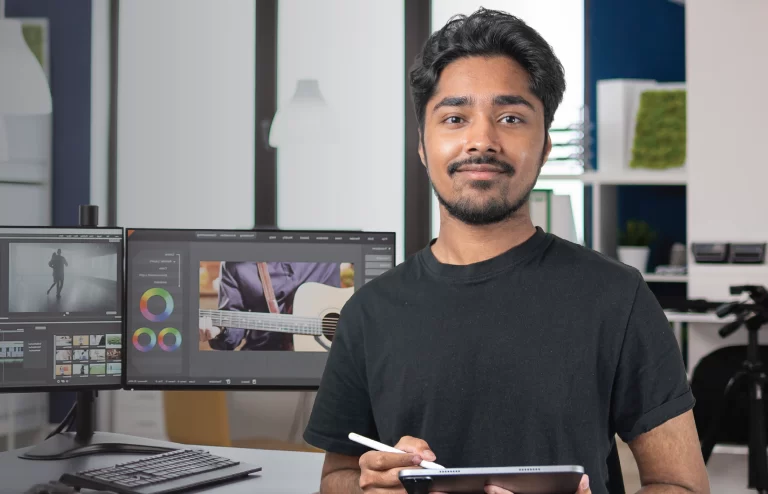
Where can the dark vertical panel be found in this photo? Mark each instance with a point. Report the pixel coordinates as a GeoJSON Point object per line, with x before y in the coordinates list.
{"type": "Point", "coordinates": [417, 189]}
{"type": "Point", "coordinates": [70, 50]}
{"type": "Point", "coordinates": [69, 26]}
{"type": "Point", "coordinates": [266, 104]}
{"type": "Point", "coordinates": [114, 33]}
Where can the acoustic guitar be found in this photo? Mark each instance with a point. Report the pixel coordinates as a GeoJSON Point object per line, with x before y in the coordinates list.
{"type": "Point", "coordinates": [316, 309]}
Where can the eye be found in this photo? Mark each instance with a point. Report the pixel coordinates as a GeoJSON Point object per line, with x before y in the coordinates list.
{"type": "Point", "coordinates": [511, 119]}
{"type": "Point", "coordinates": [453, 120]}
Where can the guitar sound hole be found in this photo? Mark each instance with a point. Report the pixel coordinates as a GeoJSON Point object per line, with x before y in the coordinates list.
{"type": "Point", "coordinates": [330, 321]}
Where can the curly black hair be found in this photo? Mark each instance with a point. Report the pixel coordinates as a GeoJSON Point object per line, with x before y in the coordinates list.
{"type": "Point", "coordinates": [487, 33]}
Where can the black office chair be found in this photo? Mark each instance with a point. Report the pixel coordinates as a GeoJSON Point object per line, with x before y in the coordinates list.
{"type": "Point", "coordinates": [708, 382]}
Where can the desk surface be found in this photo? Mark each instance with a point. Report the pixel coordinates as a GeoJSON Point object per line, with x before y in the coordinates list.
{"type": "Point", "coordinates": [283, 472]}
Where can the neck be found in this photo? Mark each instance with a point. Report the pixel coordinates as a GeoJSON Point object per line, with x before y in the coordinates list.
{"type": "Point", "coordinates": [460, 243]}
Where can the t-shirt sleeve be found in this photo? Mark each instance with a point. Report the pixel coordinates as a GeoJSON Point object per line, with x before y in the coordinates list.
{"type": "Point", "coordinates": [651, 385]}
{"type": "Point", "coordinates": [343, 404]}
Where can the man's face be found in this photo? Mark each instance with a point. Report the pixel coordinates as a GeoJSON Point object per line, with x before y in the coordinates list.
{"type": "Point", "coordinates": [484, 140]}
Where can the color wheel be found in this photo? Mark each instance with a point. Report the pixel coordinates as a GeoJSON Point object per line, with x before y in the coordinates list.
{"type": "Point", "coordinates": [156, 292]}
{"type": "Point", "coordinates": [152, 339]}
{"type": "Point", "coordinates": [176, 341]}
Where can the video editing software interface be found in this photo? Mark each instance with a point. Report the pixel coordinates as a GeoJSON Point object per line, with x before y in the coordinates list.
{"type": "Point", "coordinates": [240, 308]}
{"type": "Point", "coordinates": [61, 307]}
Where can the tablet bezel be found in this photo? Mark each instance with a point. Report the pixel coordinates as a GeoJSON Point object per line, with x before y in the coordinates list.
{"type": "Point", "coordinates": [550, 479]}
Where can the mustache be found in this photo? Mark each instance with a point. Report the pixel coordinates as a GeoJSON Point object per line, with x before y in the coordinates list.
{"type": "Point", "coordinates": [503, 166]}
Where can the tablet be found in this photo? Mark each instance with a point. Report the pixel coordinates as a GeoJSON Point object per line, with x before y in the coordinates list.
{"type": "Point", "coordinates": [559, 479]}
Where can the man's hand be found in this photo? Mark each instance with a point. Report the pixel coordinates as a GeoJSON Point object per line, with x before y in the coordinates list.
{"type": "Point", "coordinates": [583, 488]}
{"type": "Point", "coordinates": [378, 471]}
{"type": "Point", "coordinates": [207, 329]}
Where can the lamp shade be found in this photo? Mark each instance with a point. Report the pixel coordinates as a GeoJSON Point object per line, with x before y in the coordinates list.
{"type": "Point", "coordinates": [307, 112]}
{"type": "Point", "coordinates": [24, 88]}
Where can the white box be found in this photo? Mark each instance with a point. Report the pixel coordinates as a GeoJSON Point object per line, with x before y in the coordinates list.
{"type": "Point", "coordinates": [617, 104]}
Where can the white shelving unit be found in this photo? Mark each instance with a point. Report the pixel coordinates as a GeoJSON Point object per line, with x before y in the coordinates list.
{"type": "Point", "coordinates": [628, 177]}
{"type": "Point", "coordinates": [604, 198]}
{"type": "Point", "coordinates": [665, 278]}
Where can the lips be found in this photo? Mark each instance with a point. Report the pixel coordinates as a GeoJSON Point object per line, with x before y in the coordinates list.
{"type": "Point", "coordinates": [484, 168]}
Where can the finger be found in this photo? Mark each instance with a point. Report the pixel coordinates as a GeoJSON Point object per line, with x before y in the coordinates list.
{"type": "Point", "coordinates": [386, 480]}
{"type": "Point", "coordinates": [381, 462]}
{"type": "Point", "coordinates": [494, 489]}
{"type": "Point", "coordinates": [207, 334]}
{"type": "Point", "coordinates": [415, 445]}
{"type": "Point", "coordinates": [201, 334]}
{"type": "Point", "coordinates": [584, 485]}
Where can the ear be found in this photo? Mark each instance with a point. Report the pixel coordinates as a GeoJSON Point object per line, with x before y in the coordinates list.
{"type": "Point", "coordinates": [547, 150]}
{"type": "Point", "coordinates": [421, 149]}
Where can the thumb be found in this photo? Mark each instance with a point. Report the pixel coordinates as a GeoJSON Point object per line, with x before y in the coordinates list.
{"type": "Point", "coordinates": [584, 485]}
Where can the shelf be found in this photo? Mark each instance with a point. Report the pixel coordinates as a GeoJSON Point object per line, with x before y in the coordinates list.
{"type": "Point", "coordinates": [27, 173]}
{"type": "Point", "coordinates": [698, 317]}
{"type": "Point", "coordinates": [726, 269]}
{"type": "Point", "coordinates": [628, 177]}
{"type": "Point", "coordinates": [665, 278]}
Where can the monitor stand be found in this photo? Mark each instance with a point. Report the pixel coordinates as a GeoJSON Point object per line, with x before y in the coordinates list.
{"type": "Point", "coordinates": [85, 441]}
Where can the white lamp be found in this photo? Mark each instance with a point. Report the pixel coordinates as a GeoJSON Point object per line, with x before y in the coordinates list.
{"type": "Point", "coordinates": [24, 88]}
{"type": "Point", "coordinates": [306, 108]}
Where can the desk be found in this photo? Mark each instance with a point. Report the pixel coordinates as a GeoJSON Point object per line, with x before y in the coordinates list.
{"type": "Point", "coordinates": [284, 472]}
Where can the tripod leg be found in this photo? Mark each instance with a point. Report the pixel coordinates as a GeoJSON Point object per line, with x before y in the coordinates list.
{"type": "Point", "coordinates": [758, 459]}
{"type": "Point", "coordinates": [710, 438]}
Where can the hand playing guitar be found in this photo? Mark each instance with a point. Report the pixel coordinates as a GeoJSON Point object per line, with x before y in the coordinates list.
{"type": "Point", "coordinates": [207, 330]}
{"type": "Point", "coordinates": [378, 471]}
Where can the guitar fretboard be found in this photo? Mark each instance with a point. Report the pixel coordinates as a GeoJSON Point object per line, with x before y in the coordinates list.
{"type": "Point", "coordinates": [282, 323]}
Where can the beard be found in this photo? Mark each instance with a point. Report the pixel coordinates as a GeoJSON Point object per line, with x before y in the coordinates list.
{"type": "Point", "coordinates": [492, 210]}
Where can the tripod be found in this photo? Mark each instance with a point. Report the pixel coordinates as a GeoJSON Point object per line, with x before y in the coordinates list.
{"type": "Point", "coordinates": [753, 317]}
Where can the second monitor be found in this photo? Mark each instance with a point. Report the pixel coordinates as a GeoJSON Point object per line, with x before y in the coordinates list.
{"type": "Point", "coordinates": [240, 308]}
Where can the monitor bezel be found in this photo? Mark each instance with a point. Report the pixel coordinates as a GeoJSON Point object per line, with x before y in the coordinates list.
{"type": "Point", "coordinates": [219, 387]}
{"type": "Point", "coordinates": [80, 387]}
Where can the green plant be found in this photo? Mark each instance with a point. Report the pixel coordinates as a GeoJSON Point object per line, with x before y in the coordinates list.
{"type": "Point", "coordinates": [660, 131]}
{"type": "Point", "coordinates": [637, 234]}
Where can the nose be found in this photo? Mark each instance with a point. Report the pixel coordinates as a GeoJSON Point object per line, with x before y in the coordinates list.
{"type": "Point", "coordinates": [482, 137]}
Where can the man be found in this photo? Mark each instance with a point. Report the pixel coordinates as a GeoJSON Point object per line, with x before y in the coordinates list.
{"type": "Point", "coordinates": [57, 263]}
{"type": "Point", "coordinates": [499, 344]}
{"type": "Point", "coordinates": [241, 289]}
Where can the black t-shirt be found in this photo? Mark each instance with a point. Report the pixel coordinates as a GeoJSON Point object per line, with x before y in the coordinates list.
{"type": "Point", "coordinates": [535, 357]}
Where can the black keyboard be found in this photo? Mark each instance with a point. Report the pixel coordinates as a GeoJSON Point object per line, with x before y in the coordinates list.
{"type": "Point", "coordinates": [176, 471]}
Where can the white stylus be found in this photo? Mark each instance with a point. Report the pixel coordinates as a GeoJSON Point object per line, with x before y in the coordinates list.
{"type": "Point", "coordinates": [389, 449]}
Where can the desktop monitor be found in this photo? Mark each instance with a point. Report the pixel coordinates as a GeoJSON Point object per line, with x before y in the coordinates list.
{"type": "Point", "coordinates": [240, 308]}
{"type": "Point", "coordinates": [61, 306]}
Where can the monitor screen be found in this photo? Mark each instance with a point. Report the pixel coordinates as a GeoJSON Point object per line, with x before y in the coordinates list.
{"type": "Point", "coordinates": [238, 309]}
{"type": "Point", "coordinates": [61, 306]}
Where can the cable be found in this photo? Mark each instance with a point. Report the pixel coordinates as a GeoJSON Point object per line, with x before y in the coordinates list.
{"type": "Point", "coordinates": [67, 422]}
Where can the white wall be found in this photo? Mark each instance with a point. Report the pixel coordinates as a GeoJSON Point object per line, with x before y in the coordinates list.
{"type": "Point", "coordinates": [186, 82]}
{"type": "Point", "coordinates": [727, 102]}
{"type": "Point", "coordinates": [354, 178]}
{"type": "Point", "coordinates": [186, 114]}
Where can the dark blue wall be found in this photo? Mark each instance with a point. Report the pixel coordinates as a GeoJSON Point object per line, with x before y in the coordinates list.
{"type": "Point", "coordinates": [639, 39]}
{"type": "Point", "coordinates": [633, 39]}
{"type": "Point", "coordinates": [69, 24]}
{"type": "Point", "coordinates": [70, 58]}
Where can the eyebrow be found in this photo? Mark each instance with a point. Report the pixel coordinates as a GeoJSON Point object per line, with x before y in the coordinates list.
{"type": "Point", "coordinates": [501, 100]}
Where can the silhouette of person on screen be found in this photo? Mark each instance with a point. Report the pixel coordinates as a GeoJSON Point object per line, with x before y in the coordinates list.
{"type": "Point", "coordinates": [241, 289]}
{"type": "Point", "coordinates": [57, 263]}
